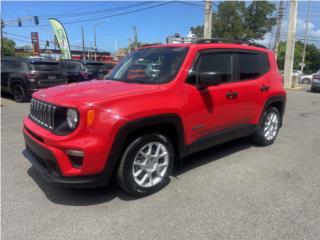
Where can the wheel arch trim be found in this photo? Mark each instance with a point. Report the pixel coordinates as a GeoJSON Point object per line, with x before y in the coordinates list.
{"type": "Point", "coordinates": [272, 100]}
{"type": "Point", "coordinates": [130, 127]}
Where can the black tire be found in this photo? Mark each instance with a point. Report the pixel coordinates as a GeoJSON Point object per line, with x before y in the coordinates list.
{"type": "Point", "coordinates": [19, 93]}
{"type": "Point", "coordinates": [125, 176]}
{"type": "Point", "coordinates": [259, 137]}
{"type": "Point", "coordinates": [306, 80]}
{"type": "Point", "coordinates": [312, 89]}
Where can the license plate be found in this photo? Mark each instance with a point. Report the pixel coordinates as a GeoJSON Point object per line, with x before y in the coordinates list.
{"type": "Point", "coordinates": [52, 77]}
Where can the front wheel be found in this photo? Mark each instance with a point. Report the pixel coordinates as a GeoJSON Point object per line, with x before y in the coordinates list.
{"type": "Point", "coordinates": [268, 128]}
{"type": "Point", "coordinates": [19, 93]}
{"type": "Point", "coordinates": [146, 165]}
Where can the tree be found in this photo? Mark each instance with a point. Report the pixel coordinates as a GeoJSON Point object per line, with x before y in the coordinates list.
{"type": "Point", "coordinates": [8, 47]}
{"type": "Point", "coordinates": [235, 20]}
{"type": "Point", "coordinates": [312, 59]}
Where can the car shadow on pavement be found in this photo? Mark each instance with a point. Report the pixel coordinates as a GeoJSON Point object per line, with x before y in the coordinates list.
{"type": "Point", "coordinates": [78, 196]}
{"type": "Point", "coordinates": [212, 154]}
{"type": "Point", "coordinates": [7, 96]}
{"type": "Point", "coordinates": [86, 197]}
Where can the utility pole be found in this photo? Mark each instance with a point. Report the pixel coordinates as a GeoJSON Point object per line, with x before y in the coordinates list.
{"type": "Point", "coordinates": [2, 26]}
{"type": "Point", "coordinates": [95, 44]}
{"type": "Point", "coordinates": [129, 45]}
{"type": "Point", "coordinates": [279, 22]}
{"type": "Point", "coordinates": [305, 38]}
{"type": "Point", "coordinates": [207, 19]}
{"type": "Point", "coordinates": [83, 47]}
{"type": "Point", "coordinates": [288, 64]}
{"type": "Point", "coordinates": [135, 37]}
{"type": "Point", "coordinates": [115, 45]}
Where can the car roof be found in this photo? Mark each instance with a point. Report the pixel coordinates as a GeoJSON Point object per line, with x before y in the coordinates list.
{"type": "Point", "coordinates": [28, 60]}
{"type": "Point", "coordinates": [80, 61]}
{"type": "Point", "coordinates": [244, 45]}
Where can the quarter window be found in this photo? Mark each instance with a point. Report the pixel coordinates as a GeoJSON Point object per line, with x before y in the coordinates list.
{"type": "Point", "coordinates": [252, 65]}
{"type": "Point", "coordinates": [13, 66]}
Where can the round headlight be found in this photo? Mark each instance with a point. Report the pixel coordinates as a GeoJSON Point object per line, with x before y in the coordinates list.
{"type": "Point", "coordinates": [72, 118]}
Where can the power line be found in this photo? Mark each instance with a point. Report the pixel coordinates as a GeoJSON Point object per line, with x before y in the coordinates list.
{"type": "Point", "coordinates": [98, 11]}
{"type": "Point", "coordinates": [120, 14]}
{"type": "Point", "coordinates": [44, 41]}
{"type": "Point", "coordinates": [299, 37]}
{"type": "Point", "coordinates": [109, 16]}
{"type": "Point", "coordinates": [191, 4]}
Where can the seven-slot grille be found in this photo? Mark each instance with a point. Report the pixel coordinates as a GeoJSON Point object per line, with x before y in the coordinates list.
{"type": "Point", "coordinates": [42, 113]}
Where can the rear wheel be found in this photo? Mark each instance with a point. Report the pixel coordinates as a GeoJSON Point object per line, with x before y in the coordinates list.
{"type": "Point", "coordinates": [306, 80]}
{"type": "Point", "coordinates": [146, 165]}
{"type": "Point", "coordinates": [19, 93]}
{"type": "Point", "coordinates": [268, 128]}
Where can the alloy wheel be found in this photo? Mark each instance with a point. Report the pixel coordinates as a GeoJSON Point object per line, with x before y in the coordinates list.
{"type": "Point", "coordinates": [150, 164]}
{"type": "Point", "coordinates": [271, 126]}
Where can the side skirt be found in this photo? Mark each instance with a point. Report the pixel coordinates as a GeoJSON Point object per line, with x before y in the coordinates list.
{"type": "Point", "coordinates": [217, 138]}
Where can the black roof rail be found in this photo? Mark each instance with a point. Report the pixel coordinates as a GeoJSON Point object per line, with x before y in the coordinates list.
{"type": "Point", "coordinates": [220, 40]}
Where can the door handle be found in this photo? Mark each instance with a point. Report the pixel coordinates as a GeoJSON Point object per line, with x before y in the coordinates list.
{"type": "Point", "coordinates": [264, 88]}
{"type": "Point", "coordinates": [231, 95]}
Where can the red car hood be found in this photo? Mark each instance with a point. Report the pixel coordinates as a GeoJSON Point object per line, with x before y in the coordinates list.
{"type": "Point", "coordinates": [77, 94]}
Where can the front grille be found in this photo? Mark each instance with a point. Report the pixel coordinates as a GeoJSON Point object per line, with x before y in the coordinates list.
{"type": "Point", "coordinates": [42, 113]}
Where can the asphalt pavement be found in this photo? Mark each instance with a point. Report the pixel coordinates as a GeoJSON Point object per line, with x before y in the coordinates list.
{"type": "Point", "coordinates": [232, 191]}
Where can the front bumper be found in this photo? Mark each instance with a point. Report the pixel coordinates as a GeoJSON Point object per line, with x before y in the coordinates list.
{"type": "Point", "coordinates": [46, 165]}
{"type": "Point", "coordinates": [48, 154]}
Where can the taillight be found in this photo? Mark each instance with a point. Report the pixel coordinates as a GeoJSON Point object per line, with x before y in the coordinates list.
{"type": "Point", "coordinates": [84, 74]}
{"type": "Point", "coordinates": [31, 75]}
{"type": "Point", "coordinates": [316, 77]}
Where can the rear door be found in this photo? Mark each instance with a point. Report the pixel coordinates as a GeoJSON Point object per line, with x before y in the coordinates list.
{"type": "Point", "coordinates": [251, 83]}
{"type": "Point", "coordinates": [5, 74]}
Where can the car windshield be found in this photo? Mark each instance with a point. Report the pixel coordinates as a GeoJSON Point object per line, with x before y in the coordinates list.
{"type": "Point", "coordinates": [46, 66]}
{"type": "Point", "coordinates": [150, 65]}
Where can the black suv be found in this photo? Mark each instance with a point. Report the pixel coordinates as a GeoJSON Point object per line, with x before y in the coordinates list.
{"type": "Point", "coordinates": [23, 76]}
{"type": "Point", "coordinates": [79, 71]}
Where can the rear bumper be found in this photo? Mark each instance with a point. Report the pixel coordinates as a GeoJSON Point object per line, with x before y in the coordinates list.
{"type": "Point", "coordinates": [45, 163]}
{"type": "Point", "coordinates": [315, 83]}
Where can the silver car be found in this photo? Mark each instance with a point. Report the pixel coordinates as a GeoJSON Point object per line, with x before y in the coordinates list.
{"type": "Point", "coordinates": [315, 84]}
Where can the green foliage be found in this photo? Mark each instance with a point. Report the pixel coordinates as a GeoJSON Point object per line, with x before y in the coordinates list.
{"type": "Point", "coordinates": [8, 47]}
{"type": "Point", "coordinates": [238, 20]}
{"type": "Point", "coordinates": [23, 54]}
{"type": "Point", "coordinates": [312, 59]}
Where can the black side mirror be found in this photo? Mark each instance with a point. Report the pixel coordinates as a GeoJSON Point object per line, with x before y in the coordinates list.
{"type": "Point", "coordinates": [206, 79]}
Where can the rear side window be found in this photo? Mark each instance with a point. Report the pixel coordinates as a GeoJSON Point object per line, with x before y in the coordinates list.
{"type": "Point", "coordinates": [252, 65]}
{"type": "Point", "coordinates": [13, 66]}
{"type": "Point", "coordinates": [46, 66]}
{"type": "Point", "coordinates": [217, 62]}
{"type": "Point", "coordinates": [4, 66]}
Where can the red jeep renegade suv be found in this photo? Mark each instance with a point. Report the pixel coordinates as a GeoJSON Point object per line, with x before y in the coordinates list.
{"type": "Point", "coordinates": [158, 105]}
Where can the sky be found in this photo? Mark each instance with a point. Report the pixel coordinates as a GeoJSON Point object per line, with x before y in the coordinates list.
{"type": "Point", "coordinates": [154, 24]}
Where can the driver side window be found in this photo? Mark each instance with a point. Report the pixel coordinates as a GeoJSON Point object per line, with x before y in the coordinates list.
{"type": "Point", "coordinates": [216, 62]}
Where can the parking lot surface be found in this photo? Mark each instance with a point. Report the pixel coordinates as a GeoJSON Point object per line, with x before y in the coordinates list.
{"type": "Point", "coordinates": [232, 191]}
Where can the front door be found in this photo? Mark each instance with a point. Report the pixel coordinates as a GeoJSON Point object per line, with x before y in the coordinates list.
{"type": "Point", "coordinates": [214, 108]}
